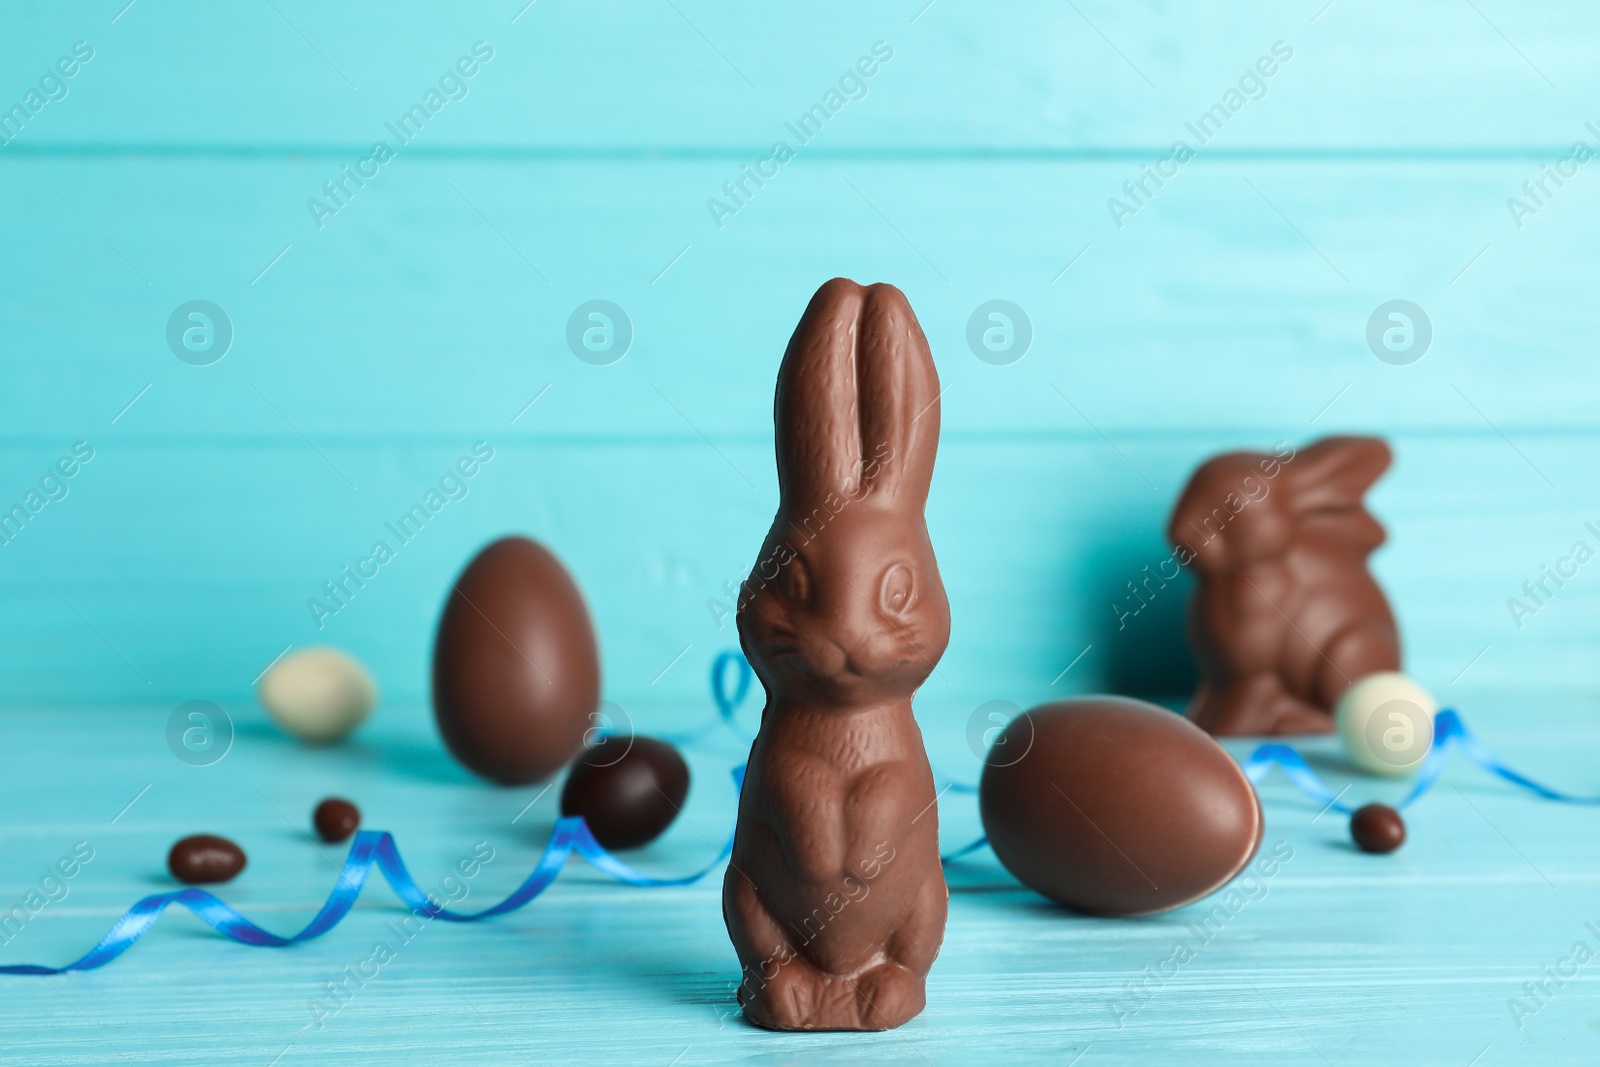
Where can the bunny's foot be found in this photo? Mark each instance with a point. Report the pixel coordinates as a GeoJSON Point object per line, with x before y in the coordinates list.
{"type": "Point", "coordinates": [1354, 654]}
{"type": "Point", "coordinates": [888, 996]}
{"type": "Point", "coordinates": [1258, 705]}
{"type": "Point", "coordinates": [800, 997]}
{"type": "Point", "coordinates": [1294, 717]}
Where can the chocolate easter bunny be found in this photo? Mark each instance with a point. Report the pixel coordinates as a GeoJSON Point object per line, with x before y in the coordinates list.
{"type": "Point", "coordinates": [1285, 616]}
{"type": "Point", "coordinates": [834, 897]}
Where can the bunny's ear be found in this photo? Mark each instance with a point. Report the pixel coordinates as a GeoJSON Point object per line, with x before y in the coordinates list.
{"type": "Point", "coordinates": [899, 399]}
{"type": "Point", "coordinates": [857, 401]}
{"type": "Point", "coordinates": [1203, 520]}
{"type": "Point", "coordinates": [1334, 474]}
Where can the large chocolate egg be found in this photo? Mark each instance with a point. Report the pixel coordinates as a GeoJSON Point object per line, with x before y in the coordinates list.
{"type": "Point", "coordinates": [516, 674]}
{"type": "Point", "coordinates": [1116, 807]}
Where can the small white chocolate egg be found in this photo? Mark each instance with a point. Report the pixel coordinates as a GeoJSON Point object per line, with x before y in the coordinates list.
{"type": "Point", "coordinates": [318, 694]}
{"type": "Point", "coordinates": [1386, 723]}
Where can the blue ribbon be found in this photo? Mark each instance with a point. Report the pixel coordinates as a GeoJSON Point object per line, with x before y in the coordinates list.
{"type": "Point", "coordinates": [572, 835]}
{"type": "Point", "coordinates": [370, 847]}
{"type": "Point", "coordinates": [727, 703]}
{"type": "Point", "coordinates": [971, 846]}
{"type": "Point", "coordinates": [1448, 732]}
{"type": "Point", "coordinates": [948, 784]}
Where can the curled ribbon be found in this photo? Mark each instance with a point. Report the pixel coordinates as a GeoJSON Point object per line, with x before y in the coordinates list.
{"type": "Point", "coordinates": [947, 784]}
{"type": "Point", "coordinates": [377, 848]}
{"type": "Point", "coordinates": [572, 835]}
{"type": "Point", "coordinates": [370, 848]}
{"type": "Point", "coordinates": [1448, 732]}
{"type": "Point", "coordinates": [971, 846]}
{"type": "Point", "coordinates": [727, 703]}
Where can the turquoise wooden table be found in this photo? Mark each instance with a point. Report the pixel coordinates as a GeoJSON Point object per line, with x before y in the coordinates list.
{"type": "Point", "coordinates": [398, 217]}
{"type": "Point", "coordinates": [1327, 955]}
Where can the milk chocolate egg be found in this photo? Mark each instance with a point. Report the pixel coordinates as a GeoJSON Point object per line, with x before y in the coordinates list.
{"type": "Point", "coordinates": [516, 674]}
{"type": "Point", "coordinates": [1116, 807]}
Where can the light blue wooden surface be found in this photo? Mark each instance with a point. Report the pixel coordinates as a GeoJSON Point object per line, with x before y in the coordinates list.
{"type": "Point", "coordinates": [427, 313]}
{"type": "Point", "coordinates": [1340, 957]}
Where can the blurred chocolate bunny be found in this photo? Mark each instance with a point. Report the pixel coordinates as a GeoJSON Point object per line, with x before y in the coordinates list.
{"type": "Point", "coordinates": [834, 898]}
{"type": "Point", "coordinates": [1286, 615]}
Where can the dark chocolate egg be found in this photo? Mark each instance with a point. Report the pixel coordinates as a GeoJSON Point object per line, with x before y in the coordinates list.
{"type": "Point", "coordinates": [336, 819]}
{"type": "Point", "coordinates": [1116, 807]}
{"type": "Point", "coordinates": [205, 859]}
{"type": "Point", "coordinates": [629, 789]}
{"type": "Point", "coordinates": [516, 674]}
{"type": "Point", "coordinates": [1377, 828]}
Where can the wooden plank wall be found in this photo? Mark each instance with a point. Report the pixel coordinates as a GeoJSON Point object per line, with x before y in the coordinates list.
{"type": "Point", "coordinates": [376, 344]}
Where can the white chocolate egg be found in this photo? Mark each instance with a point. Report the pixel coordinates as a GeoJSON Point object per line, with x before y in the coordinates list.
{"type": "Point", "coordinates": [1386, 723]}
{"type": "Point", "coordinates": [318, 694]}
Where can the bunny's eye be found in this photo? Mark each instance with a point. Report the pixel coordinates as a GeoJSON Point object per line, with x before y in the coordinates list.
{"type": "Point", "coordinates": [794, 578]}
{"type": "Point", "coordinates": [898, 591]}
